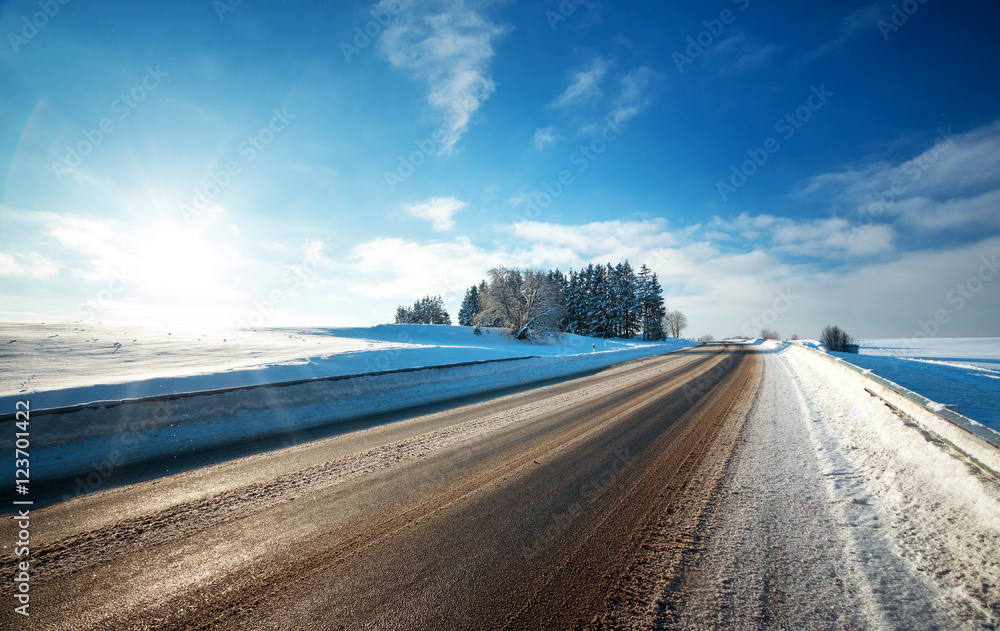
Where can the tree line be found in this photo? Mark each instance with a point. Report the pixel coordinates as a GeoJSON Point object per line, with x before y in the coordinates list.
{"type": "Point", "coordinates": [427, 310]}
{"type": "Point", "coordinates": [596, 301]}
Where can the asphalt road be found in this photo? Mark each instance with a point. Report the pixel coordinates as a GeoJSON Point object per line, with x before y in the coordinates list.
{"type": "Point", "coordinates": [536, 510]}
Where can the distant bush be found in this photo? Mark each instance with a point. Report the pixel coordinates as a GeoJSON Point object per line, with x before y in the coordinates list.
{"type": "Point", "coordinates": [768, 334]}
{"type": "Point", "coordinates": [795, 336]}
{"type": "Point", "coordinates": [706, 339]}
{"type": "Point", "coordinates": [836, 339]}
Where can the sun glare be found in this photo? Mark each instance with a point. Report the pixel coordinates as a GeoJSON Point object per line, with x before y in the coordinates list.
{"type": "Point", "coordinates": [178, 260]}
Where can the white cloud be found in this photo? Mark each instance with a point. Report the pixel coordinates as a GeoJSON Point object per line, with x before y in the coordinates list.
{"type": "Point", "coordinates": [449, 45]}
{"type": "Point", "coordinates": [600, 240]}
{"type": "Point", "coordinates": [543, 137]}
{"type": "Point", "coordinates": [724, 291]}
{"type": "Point", "coordinates": [106, 268]}
{"type": "Point", "coordinates": [737, 53]}
{"type": "Point", "coordinates": [829, 238]}
{"type": "Point", "coordinates": [403, 269]}
{"type": "Point", "coordinates": [633, 97]}
{"type": "Point", "coordinates": [31, 265]}
{"type": "Point", "coordinates": [626, 96]}
{"type": "Point", "coordinates": [440, 211]}
{"type": "Point", "coordinates": [585, 86]}
{"type": "Point", "coordinates": [721, 280]}
{"type": "Point", "coordinates": [953, 183]}
{"type": "Point", "coordinates": [980, 213]}
{"type": "Point", "coordinates": [856, 22]}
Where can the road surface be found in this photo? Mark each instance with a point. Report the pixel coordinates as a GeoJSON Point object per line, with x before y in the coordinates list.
{"type": "Point", "coordinates": [626, 499]}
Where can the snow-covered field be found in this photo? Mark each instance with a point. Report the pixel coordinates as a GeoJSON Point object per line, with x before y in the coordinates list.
{"type": "Point", "coordinates": [959, 371]}
{"type": "Point", "coordinates": [67, 364]}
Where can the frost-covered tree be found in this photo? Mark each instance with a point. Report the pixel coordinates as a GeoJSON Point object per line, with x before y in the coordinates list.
{"type": "Point", "coordinates": [612, 300]}
{"type": "Point", "coordinates": [598, 318]}
{"type": "Point", "coordinates": [576, 295]}
{"type": "Point", "coordinates": [403, 315]}
{"type": "Point", "coordinates": [524, 301]}
{"type": "Point", "coordinates": [675, 322]}
{"type": "Point", "coordinates": [470, 307]}
{"type": "Point", "coordinates": [652, 309]}
{"type": "Point", "coordinates": [427, 310]}
{"type": "Point", "coordinates": [624, 304]}
{"type": "Point", "coordinates": [560, 285]}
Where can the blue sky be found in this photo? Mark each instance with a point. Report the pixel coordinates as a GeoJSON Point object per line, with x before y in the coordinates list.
{"type": "Point", "coordinates": [278, 163]}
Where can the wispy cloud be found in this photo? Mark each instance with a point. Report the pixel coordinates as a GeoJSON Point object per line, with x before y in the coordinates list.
{"type": "Point", "coordinates": [440, 211]}
{"type": "Point", "coordinates": [856, 22]}
{"type": "Point", "coordinates": [585, 86]}
{"type": "Point", "coordinates": [30, 264]}
{"type": "Point", "coordinates": [599, 88]}
{"type": "Point", "coordinates": [738, 54]}
{"type": "Point", "coordinates": [449, 45]}
{"type": "Point", "coordinates": [544, 137]}
{"type": "Point", "coordinates": [634, 93]}
{"type": "Point", "coordinates": [953, 183]}
{"type": "Point", "coordinates": [826, 238]}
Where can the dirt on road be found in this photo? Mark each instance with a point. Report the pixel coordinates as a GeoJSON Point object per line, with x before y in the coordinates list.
{"type": "Point", "coordinates": [708, 488]}
{"type": "Point", "coordinates": [529, 511]}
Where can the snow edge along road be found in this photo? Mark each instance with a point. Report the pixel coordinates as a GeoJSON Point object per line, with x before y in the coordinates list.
{"type": "Point", "coordinates": [94, 442]}
{"type": "Point", "coordinates": [976, 441]}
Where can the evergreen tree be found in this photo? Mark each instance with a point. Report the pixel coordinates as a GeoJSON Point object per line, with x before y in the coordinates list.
{"type": "Point", "coordinates": [598, 301]}
{"type": "Point", "coordinates": [652, 309]}
{"type": "Point", "coordinates": [427, 310]}
{"type": "Point", "coordinates": [575, 303]}
{"type": "Point", "coordinates": [402, 315]}
{"type": "Point", "coordinates": [627, 305]}
{"type": "Point", "coordinates": [598, 317]}
{"type": "Point", "coordinates": [470, 307]}
{"type": "Point", "coordinates": [560, 287]}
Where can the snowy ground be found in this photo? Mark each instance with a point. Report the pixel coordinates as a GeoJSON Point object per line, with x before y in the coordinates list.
{"type": "Point", "coordinates": [961, 371]}
{"type": "Point", "coordinates": [67, 364]}
{"type": "Point", "coordinates": [52, 366]}
{"type": "Point", "coordinates": [834, 512]}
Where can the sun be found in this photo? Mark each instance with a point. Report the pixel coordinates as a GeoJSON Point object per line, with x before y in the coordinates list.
{"type": "Point", "coordinates": [181, 263]}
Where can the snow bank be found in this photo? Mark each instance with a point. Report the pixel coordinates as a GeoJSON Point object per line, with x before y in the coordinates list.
{"type": "Point", "coordinates": [957, 372]}
{"type": "Point", "coordinates": [93, 441]}
{"type": "Point", "coordinates": [973, 439]}
{"type": "Point", "coordinates": [58, 365]}
{"type": "Point", "coordinates": [921, 524]}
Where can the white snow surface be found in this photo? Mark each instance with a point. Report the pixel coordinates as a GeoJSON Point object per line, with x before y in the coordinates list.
{"type": "Point", "coordinates": [93, 442]}
{"type": "Point", "coordinates": [65, 364]}
{"type": "Point", "coordinates": [956, 371]}
{"type": "Point", "coordinates": [919, 521]}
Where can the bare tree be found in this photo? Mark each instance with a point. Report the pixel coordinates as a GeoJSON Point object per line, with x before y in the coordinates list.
{"type": "Point", "coordinates": [769, 334]}
{"type": "Point", "coordinates": [836, 339]}
{"type": "Point", "coordinates": [525, 301]}
{"type": "Point", "coordinates": [675, 322]}
{"type": "Point", "coordinates": [705, 339]}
